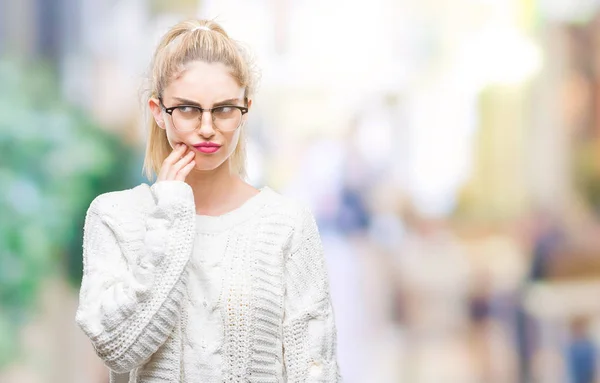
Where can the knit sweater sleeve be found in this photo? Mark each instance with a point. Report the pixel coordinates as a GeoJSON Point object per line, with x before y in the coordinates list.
{"type": "Point", "coordinates": [133, 261]}
{"type": "Point", "coordinates": [309, 332]}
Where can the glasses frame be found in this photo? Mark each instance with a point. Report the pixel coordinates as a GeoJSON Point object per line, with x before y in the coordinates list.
{"type": "Point", "coordinates": [170, 110]}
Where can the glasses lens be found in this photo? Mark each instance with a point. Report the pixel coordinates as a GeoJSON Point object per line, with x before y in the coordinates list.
{"type": "Point", "coordinates": [189, 118]}
{"type": "Point", "coordinates": [186, 118]}
{"type": "Point", "coordinates": [227, 118]}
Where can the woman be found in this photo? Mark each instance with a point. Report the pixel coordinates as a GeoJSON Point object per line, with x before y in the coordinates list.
{"type": "Point", "coordinates": [201, 277]}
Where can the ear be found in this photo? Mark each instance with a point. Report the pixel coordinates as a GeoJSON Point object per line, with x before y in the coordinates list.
{"type": "Point", "coordinates": [157, 112]}
{"type": "Point", "coordinates": [248, 105]}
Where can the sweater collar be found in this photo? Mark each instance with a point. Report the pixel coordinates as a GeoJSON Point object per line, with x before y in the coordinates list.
{"type": "Point", "coordinates": [250, 208]}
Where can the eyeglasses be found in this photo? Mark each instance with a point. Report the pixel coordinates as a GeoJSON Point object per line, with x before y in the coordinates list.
{"type": "Point", "coordinates": [187, 118]}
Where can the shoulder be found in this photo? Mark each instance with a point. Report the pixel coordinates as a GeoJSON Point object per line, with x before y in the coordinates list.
{"type": "Point", "coordinates": [137, 199]}
{"type": "Point", "coordinates": [297, 214]}
{"type": "Point", "coordinates": [292, 208]}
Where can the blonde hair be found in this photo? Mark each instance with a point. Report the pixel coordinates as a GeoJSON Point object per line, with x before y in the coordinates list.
{"type": "Point", "coordinates": [195, 40]}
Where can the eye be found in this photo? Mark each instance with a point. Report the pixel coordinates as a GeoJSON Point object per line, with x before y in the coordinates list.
{"type": "Point", "coordinates": [187, 112]}
{"type": "Point", "coordinates": [187, 109]}
{"type": "Point", "coordinates": [225, 112]}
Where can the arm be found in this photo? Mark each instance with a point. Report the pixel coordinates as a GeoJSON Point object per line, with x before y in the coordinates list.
{"type": "Point", "coordinates": [132, 285]}
{"type": "Point", "coordinates": [309, 332]}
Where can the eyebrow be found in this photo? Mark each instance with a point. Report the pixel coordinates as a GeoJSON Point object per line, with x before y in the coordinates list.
{"type": "Point", "coordinates": [229, 101]}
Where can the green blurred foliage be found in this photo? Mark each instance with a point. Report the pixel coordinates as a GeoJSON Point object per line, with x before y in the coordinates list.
{"type": "Point", "coordinates": [53, 161]}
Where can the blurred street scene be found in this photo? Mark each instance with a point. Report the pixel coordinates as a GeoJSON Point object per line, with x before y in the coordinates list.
{"type": "Point", "coordinates": [450, 151]}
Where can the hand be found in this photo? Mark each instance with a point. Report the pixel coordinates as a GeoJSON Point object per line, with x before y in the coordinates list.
{"type": "Point", "coordinates": [177, 165]}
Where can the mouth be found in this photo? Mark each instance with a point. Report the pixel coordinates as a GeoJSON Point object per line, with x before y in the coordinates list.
{"type": "Point", "coordinates": [207, 148]}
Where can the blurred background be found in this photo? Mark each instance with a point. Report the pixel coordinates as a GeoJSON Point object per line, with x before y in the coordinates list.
{"type": "Point", "coordinates": [450, 151]}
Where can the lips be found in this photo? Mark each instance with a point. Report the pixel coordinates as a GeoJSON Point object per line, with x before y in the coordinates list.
{"type": "Point", "coordinates": [207, 147]}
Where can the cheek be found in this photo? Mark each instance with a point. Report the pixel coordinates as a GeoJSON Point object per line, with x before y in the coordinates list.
{"type": "Point", "coordinates": [173, 137]}
{"type": "Point", "coordinates": [232, 142]}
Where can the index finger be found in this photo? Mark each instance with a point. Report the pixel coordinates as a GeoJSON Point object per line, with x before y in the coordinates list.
{"type": "Point", "coordinates": [175, 154]}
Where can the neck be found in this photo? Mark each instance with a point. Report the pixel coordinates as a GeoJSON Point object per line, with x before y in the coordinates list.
{"type": "Point", "coordinates": [215, 191]}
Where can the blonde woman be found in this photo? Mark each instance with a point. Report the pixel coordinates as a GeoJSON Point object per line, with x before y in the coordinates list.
{"type": "Point", "coordinates": [201, 277]}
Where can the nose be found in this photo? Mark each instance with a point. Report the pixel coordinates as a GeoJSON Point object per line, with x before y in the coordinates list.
{"type": "Point", "coordinates": [206, 125]}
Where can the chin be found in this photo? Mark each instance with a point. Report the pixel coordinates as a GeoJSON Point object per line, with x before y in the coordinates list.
{"type": "Point", "coordinates": [208, 166]}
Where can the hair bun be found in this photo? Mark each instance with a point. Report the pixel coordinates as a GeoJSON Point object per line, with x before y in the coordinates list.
{"type": "Point", "coordinates": [202, 27]}
{"type": "Point", "coordinates": [209, 25]}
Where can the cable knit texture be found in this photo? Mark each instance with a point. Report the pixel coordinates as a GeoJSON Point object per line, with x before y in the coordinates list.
{"type": "Point", "coordinates": [171, 296]}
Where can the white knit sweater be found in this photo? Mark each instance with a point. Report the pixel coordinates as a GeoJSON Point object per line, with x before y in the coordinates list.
{"type": "Point", "coordinates": [171, 296]}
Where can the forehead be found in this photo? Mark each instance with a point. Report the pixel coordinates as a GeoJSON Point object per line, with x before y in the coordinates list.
{"type": "Point", "coordinates": [205, 83]}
